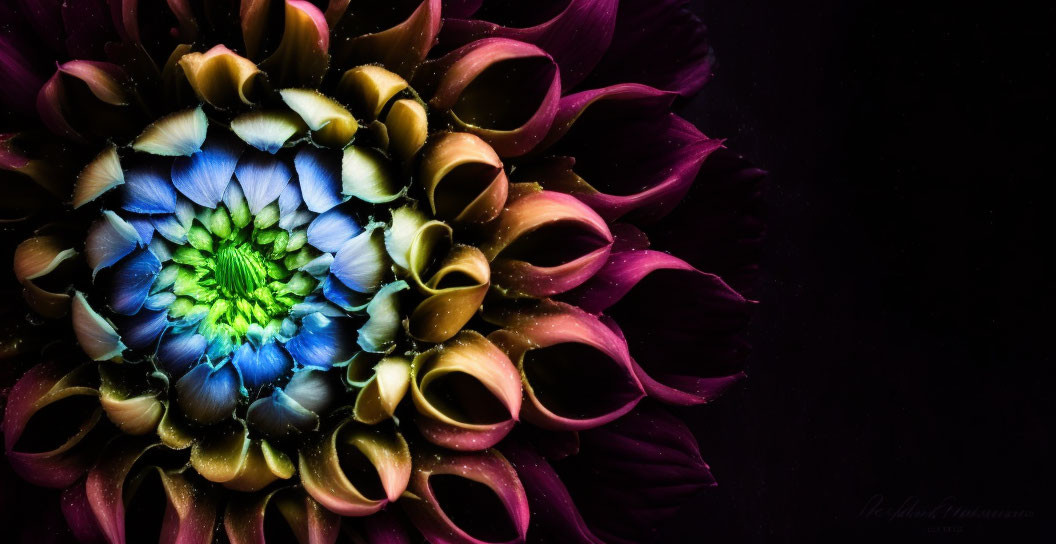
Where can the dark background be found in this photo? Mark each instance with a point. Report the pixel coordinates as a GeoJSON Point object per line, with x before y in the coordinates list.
{"type": "Point", "coordinates": [903, 346]}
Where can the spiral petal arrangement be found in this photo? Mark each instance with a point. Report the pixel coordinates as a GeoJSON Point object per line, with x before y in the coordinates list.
{"type": "Point", "coordinates": [365, 271]}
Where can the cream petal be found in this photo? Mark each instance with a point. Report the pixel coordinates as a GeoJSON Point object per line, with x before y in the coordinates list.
{"type": "Point", "coordinates": [99, 176]}
{"type": "Point", "coordinates": [177, 134]}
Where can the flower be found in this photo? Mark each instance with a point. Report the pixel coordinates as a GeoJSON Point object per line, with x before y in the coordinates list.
{"type": "Point", "coordinates": [365, 271]}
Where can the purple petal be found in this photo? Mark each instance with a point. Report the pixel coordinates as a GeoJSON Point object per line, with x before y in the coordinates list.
{"type": "Point", "coordinates": [321, 342]}
{"type": "Point", "coordinates": [208, 393]}
{"type": "Point", "coordinates": [261, 366]}
{"type": "Point", "coordinates": [555, 516]}
{"type": "Point", "coordinates": [576, 37]}
{"type": "Point", "coordinates": [723, 208]}
{"type": "Point", "coordinates": [21, 82]}
{"type": "Point", "coordinates": [179, 351]}
{"type": "Point", "coordinates": [142, 330]}
{"type": "Point", "coordinates": [109, 239]}
{"type": "Point", "coordinates": [634, 473]}
{"type": "Point", "coordinates": [144, 225]}
{"type": "Point", "coordinates": [659, 43]}
{"type": "Point", "coordinates": [88, 28]}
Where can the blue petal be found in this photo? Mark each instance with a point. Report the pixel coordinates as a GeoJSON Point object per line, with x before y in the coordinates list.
{"type": "Point", "coordinates": [160, 249]}
{"type": "Point", "coordinates": [294, 220]}
{"type": "Point", "coordinates": [160, 301]}
{"type": "Point", "coordinates": [203, 177]}
{"type": "Point", "coordinates": [147, 189]}
{"type": "Point", "coordinates": [319, 174]}
{"type": "Point", "coordinates": [319, 266]}
{"type": "Point", "coordinates": [263, 177]}
{"type": "Point", "coordinates": [332, 229]}
{"type": "Point", "coordinates": [313, 389]}
{"type": "Point", "coordinates": [343, 296]}
{"type": "Point", "coordinates": [109, 239]}
{"type": "Point", "coordinates": [144, 225]}
{"type": "Point", "coordinates": [170, 227]}
{"type": "Point", "coordinates": [219, 347]}
{"type": "Point", "coordinates": [321, 341]}
{"type": "Point", "coordinates": [262, 366]}
{"type": "Point", "coordinates": [279, 416]}
{"type": "Point", "coordinates": [208, 394]}
{"type": "Point", "coordinates": [314, 305]}
{"type": "Point", "coordinates": [289, 199]}
{"type": "Point", "coordinates": [132, 280]}
{"type": "Point", "coordinates": [179, 351]}
{"type": "Point", "coordinates": [143, 329]}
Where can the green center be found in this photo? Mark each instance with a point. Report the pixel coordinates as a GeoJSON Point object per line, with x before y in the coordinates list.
{"type": "Point", "coordinates": [233, 274]}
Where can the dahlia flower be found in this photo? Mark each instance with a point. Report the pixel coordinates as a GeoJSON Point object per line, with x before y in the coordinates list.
{"type": "Point", "coordinates": [364, 271]}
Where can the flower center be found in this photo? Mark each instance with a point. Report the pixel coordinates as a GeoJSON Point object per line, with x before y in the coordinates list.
{"type": "Point", "coordinates": [239, 270]}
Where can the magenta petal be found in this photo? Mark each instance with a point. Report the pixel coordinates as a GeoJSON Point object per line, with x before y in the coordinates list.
{"type": "Point", "coordinates": [632, 152]}
{"type": "Point", "coordinates": [461, 499]}
{"type": "Point", "coordinates": [576, 38]}
{"type": "Point", "coordinates": [686, 353]}
{"type": "Point", "coordinates": [88, 28]}
{"type": "Point", "coordinates": [634, 473]}
{"type": "Point", "coordinates": [79, 516]}
{"type": "Point", "coordinates": [723, 210]}
{"type": "Point", "coordinates": [19, 86]}
{"type": "Point", "coordinates": [555, 517]}
{"type": "Point", "coordinates": [658, 43]}
{"type": "Point", "coordinates": [460, 9]}
{"type": "Point", "coordinates": [384, 527]}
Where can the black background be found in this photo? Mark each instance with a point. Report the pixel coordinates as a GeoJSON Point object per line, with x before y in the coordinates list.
{"type": "Point", "coordinates": [903, 344]}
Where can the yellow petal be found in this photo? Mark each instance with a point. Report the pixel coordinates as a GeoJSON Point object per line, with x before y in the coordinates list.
{"type": "Point", "coordinates": [221, 77]}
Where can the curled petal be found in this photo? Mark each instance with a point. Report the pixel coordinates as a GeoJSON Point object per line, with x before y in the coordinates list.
{"type": "Point", "coordinates": [498, 67]}
{"type": "Point", "coordinates": [35, 258]}
{"type": "Point", "coordinates": [19, 89]}
{"type": "Point", "coordinates": [132, 279]}
{"type": "Point", "coordinates": [77, 510]}
{"type": "Point", "coordinates": [173, 429]}
{"type": "Point", "coordinates": [331, 124]}
{"type": "Point", "coordinates": [361, 262]}
{"type": "Point", "coordinates": [178, 134]}
{"type": "Point", "coordinates": [268, 130]}
{"type": "Point", "coordinates": [407, 127]}
{"type": "Point", "coordinates": [229, 457]}
{"type": "Point", "coordinates": [321, 342]}
{"type": "Point", "coordinates": [64, 111]}
{"type": "Point", "coordinates": [648, 177]}
{"type": "Point", "coordinates": [437, 506]}
{"type": "Point", "coordinates": [221, 77]}
{"type": "Point", "coordinates": [301, 58]}
{"type": "Point", "coordinates": [318, 172]}
{"type": "Point", "coordinates": [254, 17]}
{"type": "Point", "coordinates": [279, 416]}
{"type": "Point", "coordinates": [372, 87]}
{"type": "Point", "coordinates": [546, 243]}
{"type": "Point", "coordinates": [354, 470]}
{"type": "Point", "coordinates": [380, 395]}
{"type": "Point", "coordinates": [661, 43]}
{"type": "Point", "coordinates": [204, 176]}
{"type": "Point", "coordinates": [309, 521]}
{"type": "Point", "coordinates": [190, 511]}
{"type": "Point", "coordinates": [99, 176]}
{"type": "Point", "coordinates": [467, 393]}
{"type": "Point", "coordinates": [208, 394]}
{"type": "Point", "coordinates": [51, 387]}
{"type": "Point", "coordinates": [134, 409]}
{"type": "Point", "coordinates": [576, 37]}
{"type": "Point", "coordinates": [684, 358]}
{"type": "Point", "coordinates": [554, 514]}
{"type": "Point", "coordinates": [366, 175]}
{"type": "Point", "coordinates": [402, 233]}
{"type": "Point", "coordinates": [454, 294]}
{"type": "Point", "coordinates": [399, 48]}
{"type": "Point", "coordinates": [96, 336]}
{"type": "Point", "coordinates": [109, 239]}
{"type": "Point", "coordinates": [562, 351]}
{"type": "Point", "coordinates": [378, 334]}
{"type": "Point", "coordinates": [464, 179]}
{"type": "Point", "coordinates": [262, 177]}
